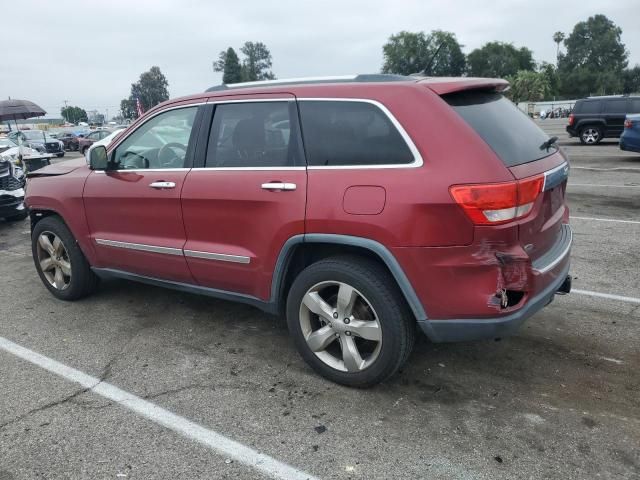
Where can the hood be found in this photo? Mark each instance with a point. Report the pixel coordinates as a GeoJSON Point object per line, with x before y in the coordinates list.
{"type": "Point", "coordinates": [60, 168]}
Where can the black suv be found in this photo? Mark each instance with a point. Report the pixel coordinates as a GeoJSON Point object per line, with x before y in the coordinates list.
{"type": "Point", "coordinates": [595, 118]}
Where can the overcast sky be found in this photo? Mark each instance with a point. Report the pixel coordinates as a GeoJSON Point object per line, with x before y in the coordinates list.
{"type": "Point", "coordinates": [89, 53]}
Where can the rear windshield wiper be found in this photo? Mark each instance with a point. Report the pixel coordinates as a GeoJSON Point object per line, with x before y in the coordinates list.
{"type": "Point", "coordinates": [547, 145]}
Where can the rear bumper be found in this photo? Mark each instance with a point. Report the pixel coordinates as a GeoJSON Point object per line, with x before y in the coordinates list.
{"type": "Point", "coordinates": [460, 287]}
{"type": "Point", "coordinates": [487, 328]}
{"type": "Point", "coordinates": [572, 131]}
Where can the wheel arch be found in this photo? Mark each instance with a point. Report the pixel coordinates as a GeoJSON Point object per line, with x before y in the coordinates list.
{"type": "Point", "coordinates": [303, 250]}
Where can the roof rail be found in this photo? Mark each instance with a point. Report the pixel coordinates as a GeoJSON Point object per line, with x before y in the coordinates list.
{"type": "Point", "coordinates": [367, 77]}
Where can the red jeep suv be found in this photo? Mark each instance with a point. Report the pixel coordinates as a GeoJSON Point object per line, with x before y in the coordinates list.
{"type": "Point", "coordinates": [359, 207]}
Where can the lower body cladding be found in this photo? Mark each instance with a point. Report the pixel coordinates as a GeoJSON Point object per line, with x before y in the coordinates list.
{"type": "Point", "coordinates": [12, 203]}
{"type": "Point", "coordinates": [486, 291]}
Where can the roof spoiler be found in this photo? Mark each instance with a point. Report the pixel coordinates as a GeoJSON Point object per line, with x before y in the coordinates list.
{"type": "Point", "coordinates": [445, 85]}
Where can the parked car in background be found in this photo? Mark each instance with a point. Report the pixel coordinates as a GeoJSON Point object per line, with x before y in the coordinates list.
{"type": "Point", "coordinates": [9, 150]}
{"type": "Point", "coordinates": [595, 118]}
{"type": "Point", "coordinates": [105, 141]}
{"type": "Point", "coordinates": [70, 141]}
{"type": "Point", "coordinates": [38, 140]}
{"type": "Point", "coordinates": [90, 138]}
{"type": "Point", "coordinates": [12, 182]}
{"type": "Point", "coordinates": [630, 138]}
{"type": "Point", "coordinates": [308, 200]}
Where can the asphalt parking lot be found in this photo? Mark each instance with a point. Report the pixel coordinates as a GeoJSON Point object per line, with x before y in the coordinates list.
{"type": "Point", "coordinates": [559, 400]}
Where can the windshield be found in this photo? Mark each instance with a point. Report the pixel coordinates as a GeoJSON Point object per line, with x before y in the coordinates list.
{"type": "Point", "coordinates": [33, 134]}
{"type": "Point", "coordinates": [514, 137]}
{"type": "Point", "coordinates": [7, 143]}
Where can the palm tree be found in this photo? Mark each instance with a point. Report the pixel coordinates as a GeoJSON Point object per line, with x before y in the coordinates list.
{"type": "Point", "coordinates": [558, 37]}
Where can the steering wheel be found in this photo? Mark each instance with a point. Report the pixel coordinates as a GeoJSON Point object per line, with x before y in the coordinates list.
{"type": "Point", "coordinates": [167, 156]}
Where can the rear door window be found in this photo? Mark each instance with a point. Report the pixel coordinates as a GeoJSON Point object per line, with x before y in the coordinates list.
{"type": "Point", "coordinates": [590, 107]}
{"type": "Point", "coordinates": [615, 106]}
{"type": "Point", "coordinates": [514, 137]}
{"type": "Point", "coordinates": [634, 105]}
{"type": "Point", "coordinates": [252, 135]}
{"type": "Point", "coordinates": [350, 133]}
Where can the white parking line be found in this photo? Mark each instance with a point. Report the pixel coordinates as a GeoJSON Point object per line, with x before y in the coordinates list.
{"type": "Point", "coordinates": [601, 185]}
{"type": "Point", "coordinates": [597, 169]}
{"type": "Point", "coordinates": [594, 219]}
{"type": "Point", "coordinates": [609, 296]}
{"type": "Point", "coordinates": [215, 441]}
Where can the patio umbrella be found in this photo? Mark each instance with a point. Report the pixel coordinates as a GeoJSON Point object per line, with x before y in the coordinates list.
{"type": "Point", "coordinates": [19, 110]}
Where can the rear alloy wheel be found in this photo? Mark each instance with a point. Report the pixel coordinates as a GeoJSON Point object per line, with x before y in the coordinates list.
{"type": "Point", "coordinates": [59, 261]}
{"type": "Point", "coordinates": [349, 321]}
{"type": "Point", "coordinates": [590, 135]}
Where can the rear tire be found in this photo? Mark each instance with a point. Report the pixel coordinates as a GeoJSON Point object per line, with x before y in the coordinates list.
{"type": "Point", "coordinates": [349, 321]}
{"type": "Point", "coordinates": [60, 263]}
{"type": "Point", "coordinates": [590, 135]}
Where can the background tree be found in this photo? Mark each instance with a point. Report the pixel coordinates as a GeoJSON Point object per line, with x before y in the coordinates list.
{"type": "Point", "coordinates": [528, 86]}
{"type": "Point", "coordinates": [549, 71]}
{"type": "Point", "coordinates": [256, 64]}
{"type": "Point", "coordinates": [594, 60]}
{"type": "Point", "coordinates": [128, 109]}
{"type": "Point", "coordinates": [631, 80]}
{"type": "Point", "coordinates": [499, 60]}
{"type": "Point", "coordinates": [73, 114]}
{"type": "Point", "coordinates": [558, 37]}
{"type": "Point", "coordinates": [229, 64]}
{"type": "Point", "coordinates": [410, 52]}
{"type": "Point", "coordinates": [151, 89]}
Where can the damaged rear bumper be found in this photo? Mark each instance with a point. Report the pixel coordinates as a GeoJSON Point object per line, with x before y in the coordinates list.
{"type": "Point", "coordinates": [469, 329]}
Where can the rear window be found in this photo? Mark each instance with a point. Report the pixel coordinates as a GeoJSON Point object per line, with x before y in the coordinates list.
{"type": "Point", "coordinates": [514, 137]}
{"type": "Point", "coordinates": [635, 105]}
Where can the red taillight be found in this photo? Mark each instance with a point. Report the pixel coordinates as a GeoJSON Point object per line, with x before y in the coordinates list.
{"type": "Point", "coordinates": [571, 119]}
{"type": "Point", "coordinates": [497, 203]}
{"type": "Point", "coordinates": [628, 123]}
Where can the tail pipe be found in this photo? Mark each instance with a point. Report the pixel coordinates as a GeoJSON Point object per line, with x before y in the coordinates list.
{"type": "Point", "coordinates": [565, 287]}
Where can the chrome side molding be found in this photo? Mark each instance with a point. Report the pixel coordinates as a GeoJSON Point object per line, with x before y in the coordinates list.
{"type": "Point", "coordinates": [223, 257]}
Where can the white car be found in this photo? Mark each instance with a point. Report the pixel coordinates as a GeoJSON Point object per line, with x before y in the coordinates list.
{"type": "Point", "coordinates": [105, 141]}
{"type": "Point", "coordinates": [9, 150]}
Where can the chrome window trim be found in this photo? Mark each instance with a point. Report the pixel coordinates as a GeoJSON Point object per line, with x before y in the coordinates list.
{"type": "Point", "coordinates": [223, 257]}
{"type": "Point", "coordinates": [139, 246]}
{"type": "Point", "coordinates": [417, 158]}
{"type": "Point", "coordinates": [125, 170]}
{"type": "Point", "coordinates": [291, 98]}
{"type": "Point", "coordinates": [249, 169]}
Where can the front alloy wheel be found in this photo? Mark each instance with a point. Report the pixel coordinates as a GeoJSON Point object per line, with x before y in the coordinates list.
{"type": "Point", "coordinates": [340, 326]}
{"type": "Point", "coordinates": [54, 260]}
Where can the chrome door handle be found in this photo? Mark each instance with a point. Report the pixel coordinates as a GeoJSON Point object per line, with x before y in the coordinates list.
{"type": "Point", "coordinates": [162, 185]}
{"type": "Point", "coordinates": [275, 186]}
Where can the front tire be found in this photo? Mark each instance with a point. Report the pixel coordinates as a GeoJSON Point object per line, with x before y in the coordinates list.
{"type": "Point", "coordinates": [590, 135]}
{"type": "Point", "coordinates": [59, 261]}
{"type": "Point", "coordinates": [60, 155]}
{"type": "Point", "coordinates": [349, 321]}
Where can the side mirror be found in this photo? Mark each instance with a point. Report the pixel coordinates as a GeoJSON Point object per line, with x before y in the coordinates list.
{"type": "Point", "coordinates": [98, 159]}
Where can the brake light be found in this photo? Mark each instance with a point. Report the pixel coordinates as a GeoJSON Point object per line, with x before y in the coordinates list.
{"type": "Point", "coordinates": [498, 203]}
{"type": "Point", "coordinates": [628, 123]}
{"type": "Point", "coordinates": [571, 118]}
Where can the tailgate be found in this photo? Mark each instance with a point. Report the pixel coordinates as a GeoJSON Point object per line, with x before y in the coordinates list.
{"type": "Point", "coordinates": [542, 231]}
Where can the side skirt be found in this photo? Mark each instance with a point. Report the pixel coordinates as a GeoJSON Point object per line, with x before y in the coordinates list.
{"type": "Point", "coordinates": [267, 307]}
